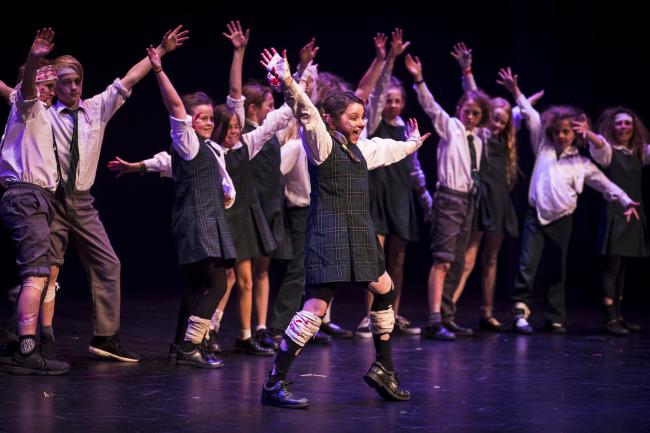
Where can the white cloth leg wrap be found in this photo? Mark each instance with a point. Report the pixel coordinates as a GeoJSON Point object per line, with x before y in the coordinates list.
{"type": "Point", "coordinates": [197, 329]}
{"type": "Point", "coordinates": [304, 325]}
{"type": "Point", "coordinates": [382, 322]}
{"type": "Point", "coordinates": [522, 306]}
{"type": "Point", "coordinates": [51, 292]}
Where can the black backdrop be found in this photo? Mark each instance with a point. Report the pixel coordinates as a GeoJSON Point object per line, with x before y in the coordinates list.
{"type": "Point", "coordinates": [581, 54]}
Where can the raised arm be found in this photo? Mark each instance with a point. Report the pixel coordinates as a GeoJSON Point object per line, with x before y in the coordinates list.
{"type": "Point", "coordinates": [463, 56]}
{"type": "Point", "coordinates": [599, 149]}
{"type": "Point", "coordinates": [40, 48]}
{"type": "Point", "coordinates": [171, 40]}
{"type": "Point", "coordinates": [315, 136]}
{"type": "Point", "coordinates": [377, 99]}
{"type": "Point", "coordinates": [371, 76]}
{"type": "Point", "coordinates": [442, 121]}
{"type": "Point", "coordinates": [239, 40]}
{"type": "Point", "coordinates": [511, 82]}
{"type": "Point", "coordinates": [171, 98]}
{"type": "Point", "coordinates": [307, 55]}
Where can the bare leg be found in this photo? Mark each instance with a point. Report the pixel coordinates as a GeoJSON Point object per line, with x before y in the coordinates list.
{"type": "Point", "coordinates": [395, 253]}
{"type": "Point", "coordinates": [470, 261]}
{"type": "Point", "coordinates": [261, 287]}
{"type": "Point", "coordinates": [244, 277]}
{"type": "Point", "coordinates": [489, 258]}
{"type": "Point", "coordinates": [47, 308]}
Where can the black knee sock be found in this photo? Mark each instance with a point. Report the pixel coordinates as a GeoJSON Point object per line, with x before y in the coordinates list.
{"type": "Point", "coordinates": [610, 312]}
{"type": "Point", "coordinates": [383, 302]}
{"type": "Point", "coordinates": [283, 360]}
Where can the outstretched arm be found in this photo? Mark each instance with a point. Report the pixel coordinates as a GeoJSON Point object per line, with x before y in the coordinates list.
{"type": "Point", "coordinates": [171, 40]}
{"type": "Point", "coordinates": [171, 98]}
{"type": "Point", "coordinates": [239, 40]}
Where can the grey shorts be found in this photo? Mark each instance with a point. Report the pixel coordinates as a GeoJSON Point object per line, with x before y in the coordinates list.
{"type": "Point", "coordinates": [27, 211]}
{"type": "Point", "coordinates": [453, 212]}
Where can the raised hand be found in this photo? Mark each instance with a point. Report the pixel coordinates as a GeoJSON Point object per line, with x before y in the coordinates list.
{"type": "Point", "coordinates": [275, 64]}
{"type": "Point", "coordinates": [509, 80]}
{"type": "Point", "coordinates": [236, 34]}
{"type": "Point", "coordinates": [42, 45]}
{"type": "Point", "coordinates": [535, 97]}
{"type": "Point", "coordinates": [380, 46]}
{"type": "Point", "coordinates": [414, 66]}
{"type": "Point", "coordinates": [154, 58]}
{"type": "Point", "coordinates": [308, 53]}
{"type": "Point", "coordinates": [463, 55]}
{"type": "Point", "coordinates": [123, 167]}
{"type": "Point", "coordinates": [412, 130]}
{"type": "Point", "coordinates": [397, 44]}
{"type": "Point", "coordinates": [580, 127]}
{"type": "Point", "coordinates": [174, 39]}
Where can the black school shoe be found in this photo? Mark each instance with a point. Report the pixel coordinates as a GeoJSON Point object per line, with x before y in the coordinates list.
{"type": "Point", "coordinates": [385, 383]}
{"type": "Point", "coordinates": [251, 347]}
{"type": "Point", "coordinates": [36, 364]}
{"type": "Point", "coordinates": [263, 336]}
{"type": "Point", "coordinates": [278, 394]}
{"type": "Point", "coordinates": [111, 348]}
{"type": "Point", "coordinates": [197, 358]}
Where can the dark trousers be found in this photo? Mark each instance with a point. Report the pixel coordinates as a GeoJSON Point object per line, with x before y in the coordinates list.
{"type": "Point", "coordinates": [291, 292]}
{"type": "Point", "coordinates": [77, 217]}
{"type": "Point", "coordinates": [535, 238]}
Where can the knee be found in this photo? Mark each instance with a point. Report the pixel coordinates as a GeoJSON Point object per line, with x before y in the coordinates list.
{"type": "Point", "coordinates": [489, 260]}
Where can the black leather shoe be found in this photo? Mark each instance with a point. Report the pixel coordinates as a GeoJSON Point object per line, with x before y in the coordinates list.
{"type": "Point", "coordinates": [197, 358]}
{"type": "Point", "coordinates": [278, 394]}
{"type": "Point", "coordinates": [615, 327]}
{"type": "Point", "coordinates": [263, 336]}
{"type": "Point", "coordinates": [211, 345]}
{"type": "Point", "coordinates": [276, 334]}
{"type": "Point", "coordinates": [322, 338]}
{"type": "Point", "coordinates": [334, 330]}
{"type": "Point", "coordinates": [491, 324]}
{"type": "Point", "coordinates": [555, 328]}
{"type": "Point", "coordinates": [385, 383]}
{"type": "Point", "coordinates": [457, 329]}
{"type": "Point", "coordinates": [437, 331]}
{"type": "Point", "coordinates": [36, 364]}
{"type": "Point", "coordinates": [48, 348]}
{"type": "Point", "coordinates": [252, 347]}
{"type": "Point", "coordinates": [112, 348]}
{"type": "Point", "coordinates": [520, 323]}
{"type": "Point", "coordinates": [632, 327]}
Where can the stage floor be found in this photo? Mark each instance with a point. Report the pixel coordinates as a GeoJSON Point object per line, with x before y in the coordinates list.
{"type": "Point", "coordinates": [582, 382]}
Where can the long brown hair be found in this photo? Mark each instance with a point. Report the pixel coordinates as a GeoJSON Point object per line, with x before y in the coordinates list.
{"type": "Point", "coordinates": [640, 135]}
{"type": "Point", "coordinates": [222, 115]}
{"type": "Point", "coordinates": [509, 133]}
{"type": "Point", "coordinates": [483, 102]}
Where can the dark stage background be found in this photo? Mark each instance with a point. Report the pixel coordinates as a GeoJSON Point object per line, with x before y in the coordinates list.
{"type": "Point", "coordinates": [590, 56]}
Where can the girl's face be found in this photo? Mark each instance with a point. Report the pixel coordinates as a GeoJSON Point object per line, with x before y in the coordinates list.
{"type": "Point", "coordinates": [233, 133]}
{"type": "Point", "coordinates": [499, 121]}
{"type": "Point", "coordinates": [351, 122]}
{"type": "Point", "coordinates": [259, 112]}
{"type": "Point", "coordinates": [203, 120]}
{"type": "Point", "coordinates": [394, 104]}
{"type": "Point", "coordinates": [623, 130]}
{"type": "Point", "coordinates": [563, 135]}
{"type": "Point", "coordinates": [470, 114]}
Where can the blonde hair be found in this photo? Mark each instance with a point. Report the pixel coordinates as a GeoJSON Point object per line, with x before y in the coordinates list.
{"type": "Point", "coordinates": [512, 162]}
{"type": "Point", "coordinates": [68, 61]}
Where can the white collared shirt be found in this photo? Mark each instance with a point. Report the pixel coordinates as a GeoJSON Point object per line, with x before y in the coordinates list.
{"type": "Point", "coordinates": [557, 181]}
{"type": "Point", "coordinates": [297, 185]}
{"type": "Point", "coordinates": [603, 156]}
{"type": "Point", "coordinates": [453, 158]}
{"type": "Point", "coordinates": [94, 114]}
{"type": "Point", "coordinates": [27, 146]}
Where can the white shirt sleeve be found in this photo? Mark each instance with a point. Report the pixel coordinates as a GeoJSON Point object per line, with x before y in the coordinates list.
{"type": "Point", "coordinates": [379, 152]}
{"type": "Point", "coordinates": [602, 156]}
{"type": "Point", "coordinates": [534, 122]}
{"type": "Point", "coordinates": [275, 121]}
{"type": "Point", "coordinates": [377, 99]}
{"type": "Point", "coordinates": [184, 138]}
{"type": "Point", "coordinates": [290, 152]}
{"type": "Point", "coordinates": [598, 181]}
{"type": "Point", "coordinates": [317, 141]}
{"type": "Point", "coordinates": [160, 163]}
{"type": "Point", "coordinates": [441, 120]}
{"type": "Point", "coordinates": [27, 109]}
{"type": "Point", "coordinates": [110, 99]}
{"type": "Point", "coordinates": [238, 106]}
